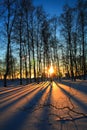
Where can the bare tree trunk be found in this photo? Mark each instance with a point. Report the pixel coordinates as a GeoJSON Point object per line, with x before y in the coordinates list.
{"type": "Point", "coordinates": [83, 50]}
{"type": "Point", "coordinates": [37, 48]}
{"type": "Point", "coordinates": [7, 62]}
{"type": "Point", "coordinates": [9, 24]}
{"type": "Point", "coordinates": [20, 53]}
{"type": "Point", "coordinates": [32, 40]}
{"type": "Point", "coordinates": [28, 48]}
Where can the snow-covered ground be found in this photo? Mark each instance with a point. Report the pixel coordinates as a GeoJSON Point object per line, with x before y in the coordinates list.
{"type": "Point", "coordinates": [44, 106]}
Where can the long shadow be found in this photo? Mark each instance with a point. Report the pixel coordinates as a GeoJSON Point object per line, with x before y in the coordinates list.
{"type": "Point", "coordinates": [32, 103]}
{"type": "Point", "coordinates": [15, 94]}
{"type": "Point", "coordinates": [14, 90]}
{"type": "Point", "coordinates": [17, 121]}
{"type": "Point", "coordinates": [27, 89]}
{"type": "Point", "coordinates": [81, 104]}
{"type": "Point", "coordinates": [22, 95]}
{"type": "Point", "coordinates": [4, 92]}
{"type": "Point", "coordinates": [44, 123]}
{"type": "Point", "coordinates": [18, 96]}
{"type": "Point", "coordinates": [82, 88]}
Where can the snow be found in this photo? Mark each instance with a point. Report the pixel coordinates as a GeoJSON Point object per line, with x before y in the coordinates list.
{"type": "Point", "coordinates": [44, 106]}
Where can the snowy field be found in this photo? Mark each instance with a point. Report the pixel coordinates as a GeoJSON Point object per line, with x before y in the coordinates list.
{"type": "Point", "coordinates": [44, 106]}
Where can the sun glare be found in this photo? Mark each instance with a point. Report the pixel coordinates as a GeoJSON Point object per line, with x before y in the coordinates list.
{"type": "Point", "coordinates": [51, 70]}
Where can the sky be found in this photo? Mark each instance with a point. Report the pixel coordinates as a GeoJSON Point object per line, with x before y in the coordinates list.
{"type": "Point", "coordinates": [54, 7]}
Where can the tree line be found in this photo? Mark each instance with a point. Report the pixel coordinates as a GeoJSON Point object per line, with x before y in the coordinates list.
{"type": "Point", "coordinates": [34, 41]}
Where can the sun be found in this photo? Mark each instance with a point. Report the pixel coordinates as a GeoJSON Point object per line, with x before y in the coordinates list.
{"type": "Point", "coordinates": [51, 70]}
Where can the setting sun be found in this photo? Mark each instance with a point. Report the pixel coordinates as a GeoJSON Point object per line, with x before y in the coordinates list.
{"type": "Point", "coordinates": [51, 70]}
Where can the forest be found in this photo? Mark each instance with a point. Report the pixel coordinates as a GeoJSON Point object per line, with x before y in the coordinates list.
{"type": "Point", "coordinates": [32, 41]}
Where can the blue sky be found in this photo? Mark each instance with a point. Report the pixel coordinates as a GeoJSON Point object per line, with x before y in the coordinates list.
{"type": "Point", "coordinates": [53, 7]}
